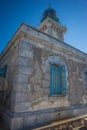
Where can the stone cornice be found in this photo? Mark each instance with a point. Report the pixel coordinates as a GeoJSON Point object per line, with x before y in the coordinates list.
{"type": "Point", "coordinates": [16, 35]}
{"type": "Point", "coordinates": [52, 23]}
{"type": "Point", "coordinates": [53, 43]}
{"type": "Point", "coordinates": [36, 35]}
{"type": "Point", "coordinates": [53, 46]}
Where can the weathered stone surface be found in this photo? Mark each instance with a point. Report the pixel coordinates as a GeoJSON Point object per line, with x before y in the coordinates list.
{"type": "Point", "coordinates": [30, 121]}
{"type": "Point", "coordinates": [16, 123]}
{"type": "Point", "coordinates": [40, 117]}
{"type": "Point", "coordinates": [31, 31]}
{"type": "Point", "coordinates": [26, 53]}
{"type": "Point", "coordinates": [21, 97]}
{"type": "Point", "coordinates": [28, 78]}
{"type": "Point", "coordinates": [20, 87]}
{"type": "Point", "coordinates": [22, 107]}
{"type": "Point", "coordinates": [21, 78]}
{"type": "Point", "coordinates": [79, 111]}
{"type": "Point", "coordinates": [25, 45]}
{"type": "Point", "coordinates": [36, 74]}
{"type": "Point", "coordinates": [75, 71]}
{"type": "Point", "coordinates": [24, 61]}
{"type": "Point", "coordinates": [44, 36]}
{"type": "Point", "coordinates": [34, 77]}
{"type": "Point", "coordinates": [26, 70]}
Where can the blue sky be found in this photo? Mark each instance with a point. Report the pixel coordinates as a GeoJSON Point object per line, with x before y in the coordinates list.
{"type": "Point", "coordinates": [72, 14]}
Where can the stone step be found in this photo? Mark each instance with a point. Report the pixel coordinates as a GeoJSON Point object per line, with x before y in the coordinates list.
{"type": "Point", "coordinates": [74, 123]}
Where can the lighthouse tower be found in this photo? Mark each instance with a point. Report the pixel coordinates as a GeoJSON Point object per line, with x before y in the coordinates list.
{"type": "Point", "coordinates": [51, 25]}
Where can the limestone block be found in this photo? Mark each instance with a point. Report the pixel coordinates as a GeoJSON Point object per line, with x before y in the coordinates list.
{"type": "Point", "coordinates": [46, 83]}
{"type": "Point", "coordinates": [23, 61]}
{"type": "Point", "coordinates": [16, 123]}
{"type": "Point", "coordinates": [20, 87]}
{"type": "Point", "coordinates": [64, 114]}
{"type": "Point", "coordinates": [35, 43]}
{"type": "Point", "coordinates": [22, 107]}
{"type": "Point", "coordinates": [46, 117]}
{"type": "Point", "coordinates": [37, 119]}
{"type": "Point", "coordinates": [25, 45]}
{"type": "Point", "coordinates": [32, 32]}
{"type": "Point", "coordinates": [57, 43]}
{"type": "Point", "coordinates": [26, 53]}
{"type": "Point", "coordinates": [12, 97]}
{"type": "Point", "coordinates": [45, 37]}
{"type": "Point", "coordinates": [21, 97]}
{"type": "Point", "coordinates": [30, 120]}
{"type": "Point", "coordinates": [24, 69]}
{"type": "Point", "coordinates": [22, 78]}
{"type": "Point", "coordinates": [79, 111]}
{"type": "Point", "coordinates": [35, 94]}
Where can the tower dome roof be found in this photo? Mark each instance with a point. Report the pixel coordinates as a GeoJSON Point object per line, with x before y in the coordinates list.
{"type": "Point", "coordinates": [50, 12]}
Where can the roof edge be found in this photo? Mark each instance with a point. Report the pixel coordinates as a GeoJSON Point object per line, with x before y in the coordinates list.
{"type": "Point", "coordinates": [19, 31]}
{"type": "Point", "coordinates": [10, 41]}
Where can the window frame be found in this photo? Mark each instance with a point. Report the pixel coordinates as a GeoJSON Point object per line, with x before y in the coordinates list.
{"type": "Point", "coordinates": [63, 72]}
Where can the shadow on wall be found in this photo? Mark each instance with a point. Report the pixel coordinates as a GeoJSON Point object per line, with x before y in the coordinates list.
{"type": "Point", "coordinates": [3, 86]}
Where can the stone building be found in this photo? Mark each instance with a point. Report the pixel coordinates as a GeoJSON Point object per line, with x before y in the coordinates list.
{"type": "Point", "coordinates": [42, 78]}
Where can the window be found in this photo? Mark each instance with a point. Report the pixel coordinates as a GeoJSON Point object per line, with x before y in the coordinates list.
{"type": "Point", "coordinates": [3, 70]}
{"type": "Point", "coordinates": [57, 80]}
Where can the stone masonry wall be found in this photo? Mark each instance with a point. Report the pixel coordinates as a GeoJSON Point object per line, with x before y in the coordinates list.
{"type": "Point", "coordinates": [10, 60]}
{"type": "Point", "coordinates": [33, 78]}
{"type": "Point", "coordinates": [28, 77]}
{"type": "Point", "coordinates": [33, 105]}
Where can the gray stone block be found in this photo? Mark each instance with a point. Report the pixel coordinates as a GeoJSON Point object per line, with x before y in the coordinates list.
{"type": "Point", "coordinates": [22, 78]}
{"type": "Point", "coordinates": [21, 97]}
{"type": "Point", "coordinates": [24, 61]}
{"type": "Point", "coordinates": [26, 70]}
{"type": "Point", "coordinates": [22, 107]}
{"type": "Point", "coordinates": [30, 121]}
{"type": "Point", "coordinates": [26, 53]}
{"type": "Point", "coordinates": [16, 123]}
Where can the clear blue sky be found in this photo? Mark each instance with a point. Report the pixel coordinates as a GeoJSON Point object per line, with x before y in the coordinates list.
{"type": "Point", "coordinates": [72, 14]}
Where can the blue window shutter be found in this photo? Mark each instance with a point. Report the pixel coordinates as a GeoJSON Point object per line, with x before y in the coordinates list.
{"type": "Point", "coordinates": [63, 80]}
{"type": "Point", "coordinates": [3, 71]}
{"type": "Point", "coordinates": [57, 80]}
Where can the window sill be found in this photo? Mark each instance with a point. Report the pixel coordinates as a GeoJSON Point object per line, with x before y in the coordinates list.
{"type": "Point", "coordinates": [57, 95]}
